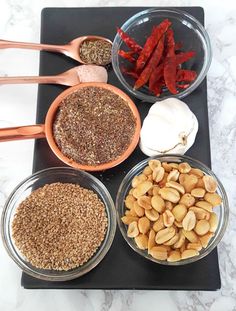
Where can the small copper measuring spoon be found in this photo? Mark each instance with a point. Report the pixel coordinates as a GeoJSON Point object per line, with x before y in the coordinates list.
{"type": "Point", "coordinates": [71, 49]}
{"type": "Point", "coordinates": [46, 130]}
{"type": "Point", "coordinates": [73, 76]}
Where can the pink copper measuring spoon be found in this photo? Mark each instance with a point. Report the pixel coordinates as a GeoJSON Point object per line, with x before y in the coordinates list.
{"type": "Point", "coordinates": [71, 49]}
{"type": "Point", "coordinates": [76, 75]}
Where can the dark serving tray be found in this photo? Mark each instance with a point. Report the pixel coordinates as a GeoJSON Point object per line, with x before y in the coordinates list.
{"type": "Point", "coordinates": [121, 268]}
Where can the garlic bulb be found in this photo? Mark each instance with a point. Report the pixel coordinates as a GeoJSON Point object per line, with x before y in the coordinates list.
{"type": "Point", "coordinates": [169, 127]}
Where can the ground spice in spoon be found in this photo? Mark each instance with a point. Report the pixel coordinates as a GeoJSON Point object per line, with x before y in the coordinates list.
{"type": "Point", "coordinates": [96, 52]}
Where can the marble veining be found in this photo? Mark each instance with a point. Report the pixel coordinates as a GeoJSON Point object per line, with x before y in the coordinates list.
{"type": "Point", "coordinates": [20, 20]}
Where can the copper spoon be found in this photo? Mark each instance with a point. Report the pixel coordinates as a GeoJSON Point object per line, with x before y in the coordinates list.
{"type": "Point", "coordinates": [76, 75]}
{"type": "Point", "coordinates": [70, 49]}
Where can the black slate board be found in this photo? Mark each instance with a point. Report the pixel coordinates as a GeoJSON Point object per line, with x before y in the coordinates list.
{"type": "Point", "coordinates": [122, 268]}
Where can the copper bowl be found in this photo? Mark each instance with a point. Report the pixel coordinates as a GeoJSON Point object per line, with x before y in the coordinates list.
{"type": "Point", "coordinates": [46, 130]}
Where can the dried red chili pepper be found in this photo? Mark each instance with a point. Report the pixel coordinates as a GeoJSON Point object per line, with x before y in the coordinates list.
{"type": "Point", "coordinates": [170, 63]}
{"type": "Point", "coordinates": [151, 42]}
{"type": "Point", "coordinates": [184, 56]}
{"type": "Point", "coordinates": [156, 75]}
{"type": "Point", "coordinates": [130, 42]}
{"type": "Point", "coordinates": [186, 75]}
{"type": "Point", "coordinates": [127, 55]}
{"type": "Point", "coordinates": [153, 62]}
{"type": "Point", "coordinates": [129, 72]}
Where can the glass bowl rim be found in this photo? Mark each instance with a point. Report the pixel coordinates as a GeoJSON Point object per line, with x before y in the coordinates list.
{"type": "Point", "coordinates": [123, 189]}
{"type": "Point", "coordinates": [73, 273]}
{"type": "Point", "coordinates": [206, 63]}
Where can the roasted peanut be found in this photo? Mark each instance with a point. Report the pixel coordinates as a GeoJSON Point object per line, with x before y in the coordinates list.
{"type": "Point", "coordinates": [210, 183]}
{"type": "Point", "coordinates": [183, 247]}
{"type": "Point", "coordinates": [197, 172]}
{"type": "Point", "coordinates": [180, 241]}
{"type": "Point", "coordinates": [138, 180]}
{"type": "Point", "coordinates": [190, 182]}
{"type": "Point", "coordinates": [158, 174]}
{"type": "Point", "coordinates": [159, 224]}
{"type": "Point", "coordinates": [173, 175]}
{"type": "Point", "coordinates": [142, 188]}
{"type": "Point", "coordinates": [129, 201]}
{"type": "Point", "coordinates": [145, 202]}
{"type": "Point", "coordinates": [204, 205]}
{"type": "Point", "coordinates": [151, 240]}
{"type": "Point", "coordinates": [143, 225]}
{"type": "Point", "coordinates": [131, 212]}
{"type": "Point", "coordinates": [159, 253]}
{"type": "Point", "coordinates": [182, 178]}
{"type": "Point", "coordinates": [197, 246]}
{"type": "Point", "coordinates": [142, 241]}
{"type": "Point", "coordinates": [200, 183]}
{"type": "Point", "coordinates": [153, 164]}
{"type": "Point", "coordinates": [175, 185]}
{"type": "Point", "coordinates": [152, 214]}
{"type": "Point", "coordinates": [198, 192]}
{"type": "Point", "coordinates": [202, 227]}
{"type": "Point", "coordinates": [147, 171]}
{"type": "Point", "coordinates": [174, 256]}
{"type": "Point", "coordinates": [164, 235]}
{"type": "Point", "coordinates": [189, 221]}
{"type": "Point", "coordinates": [205, 239]}
{"type": "Point", "coordinates": [190, 235]}
{"type": "Point", "coordinates": [213, 198]}
{"type": "Point", "coordinates": [184, 168]}
{"type": "Point", "coordinates": [200, 213]}
{"type": "Point", "coordinates": [133, 231]}
{"type": "Point", "coordinates": [139, 210]}
{"type": "Point", "coordinates": [158, 203]}
{"type": "Point", "coordinates": [178, 224]}
{"type": "Point", "coordinates": [166, 167]}
{"type": "Point", "coordinates": [174, 165]}
{"type": "Point", "coordinates": [188, 253]}
{"type": "Point", "coordinates": [172, 240]}
{"type": "Point", "coordinates": [170, 194]}
{"type": "Point", "coordinates": [169, 205]}
{"type": "Point", "coordinates": [128, 219]}
{"type": "Point", "coordinates": [179, 212]}
{"type": "Point", "coordinates": [187, 199]}
{"type": "Point", "coordinates": [162, 183]}
{"type": "Point", "coordinates": [168, 218]}
{"type": "Point", "coordinates": [131, 191]}
{"type": "Point", "coordinates": [213, 221]}
{"type": "Point", "coordinates": [155, 190]}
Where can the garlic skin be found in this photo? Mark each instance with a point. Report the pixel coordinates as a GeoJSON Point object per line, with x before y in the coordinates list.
{"type": "Point", "coordinates": [169, 127]}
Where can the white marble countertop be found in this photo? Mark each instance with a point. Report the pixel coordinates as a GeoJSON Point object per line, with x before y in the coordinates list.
{"type": "Point", "coordinates": [20, 20]}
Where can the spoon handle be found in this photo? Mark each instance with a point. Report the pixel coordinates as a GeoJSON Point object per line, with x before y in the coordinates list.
{"type": "Point", "coordinates": [4, 44]}
{"type": "Point", "coordinates": [22, 132]}
{"type": "Point", "coordinates": [34, 79]}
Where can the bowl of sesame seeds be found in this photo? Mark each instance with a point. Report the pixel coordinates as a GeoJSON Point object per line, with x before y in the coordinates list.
{"type": "Point", "coordinates": [58, 224]}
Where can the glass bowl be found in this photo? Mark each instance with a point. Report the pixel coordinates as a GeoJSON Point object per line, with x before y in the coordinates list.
{"type": "Point", "coordinates": [187, 29]}
{"type": "Point", "coordinates": [222, 211]}
{"type": "Point", "coordinates": [39, 179]}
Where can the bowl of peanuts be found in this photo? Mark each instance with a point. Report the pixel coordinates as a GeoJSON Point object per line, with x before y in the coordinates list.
{"type": "Point", "coordinates": [172, 210]}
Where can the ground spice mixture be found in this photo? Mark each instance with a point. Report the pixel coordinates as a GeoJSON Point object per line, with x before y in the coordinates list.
{"type": "Point", "coordinates": [93, 126]}
{"type": "Point", "coordinates": [59, 226]}
{"type": "Point", "coordinates": [96, 52]}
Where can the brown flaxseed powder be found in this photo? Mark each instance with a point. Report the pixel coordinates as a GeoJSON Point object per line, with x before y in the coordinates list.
{"type": "Point", "coordinates": [93, 126]}
{"type": "Point", "coordinates": [59, 226]}
{"type": "Point", "coordinates": [96, 52]}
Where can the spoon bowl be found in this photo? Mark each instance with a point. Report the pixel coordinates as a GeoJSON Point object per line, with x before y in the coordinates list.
{"type": "Point", "coordinates": [73, 76]}
{"type": "Point", "coordinates": [71, 49]}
